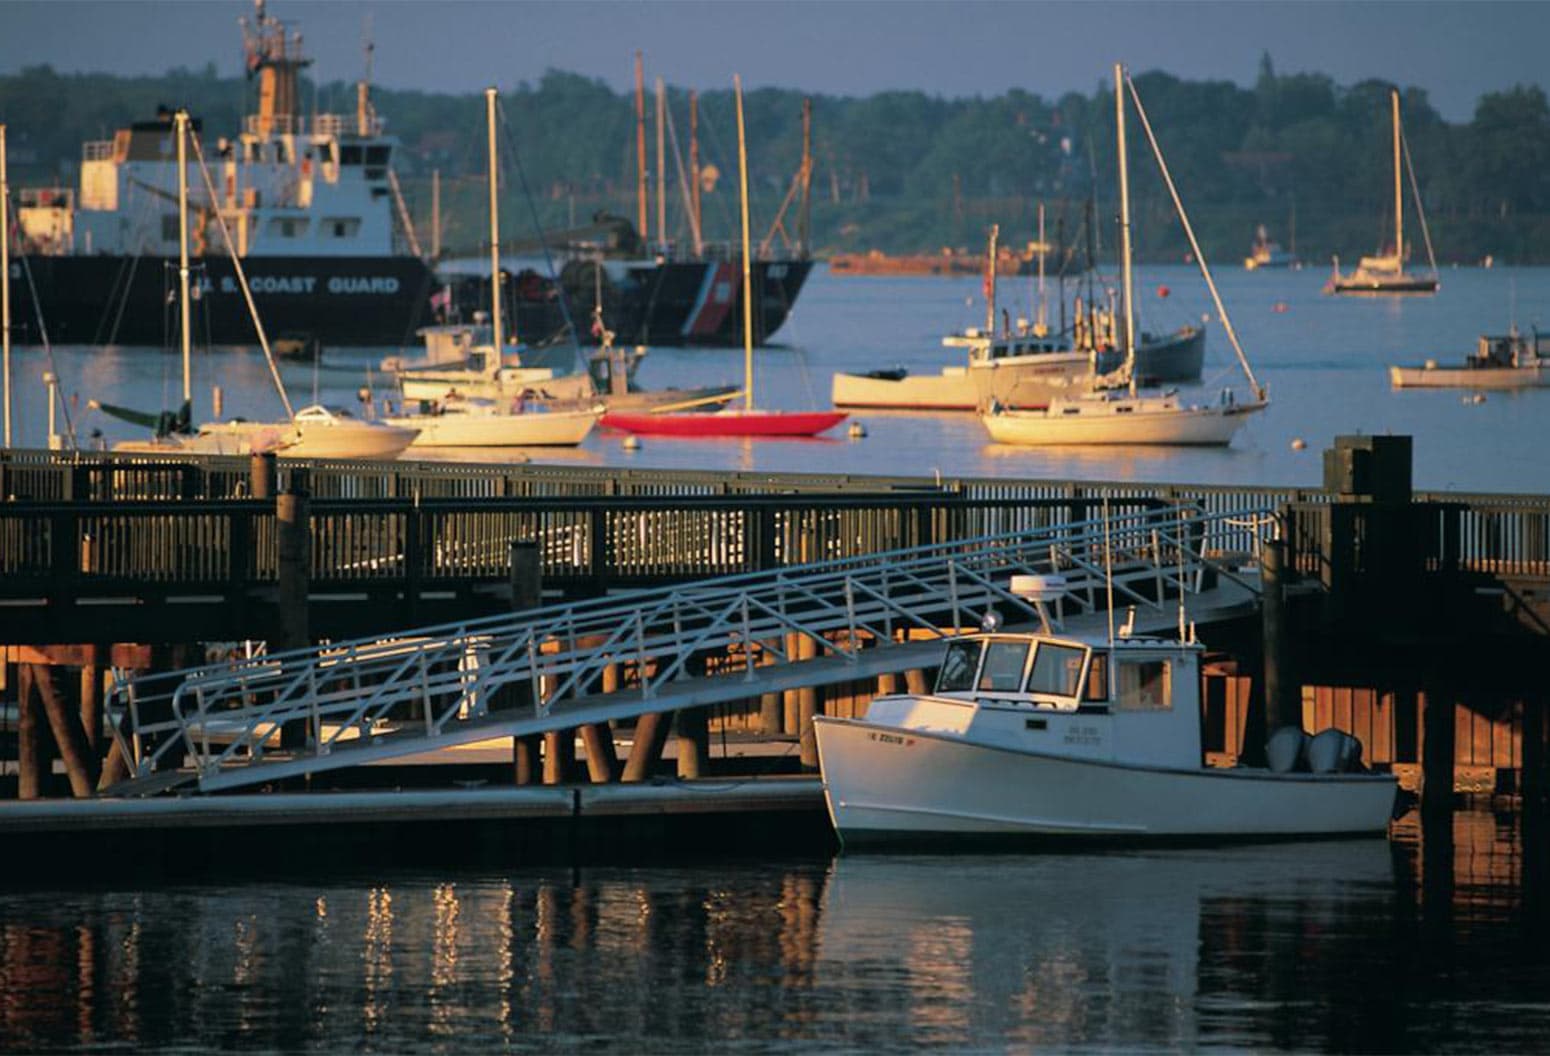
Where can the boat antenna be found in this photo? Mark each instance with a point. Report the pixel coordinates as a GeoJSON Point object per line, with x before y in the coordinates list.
{"type": "Point", "coordinates": [1194, 245]}
{"type": "Point", "coordinates": [742, 178]}
{"type": "Point", "coordinates": [1124, 236]}
{"type": "Point", "coordinates": [242, 281]}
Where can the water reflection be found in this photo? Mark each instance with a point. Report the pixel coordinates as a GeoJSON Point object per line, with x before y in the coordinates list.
{"type": "Point", "coordinates": [1354, 945]}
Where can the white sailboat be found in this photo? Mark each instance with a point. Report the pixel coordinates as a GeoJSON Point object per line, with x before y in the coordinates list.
{"type": "Point", "coordinates": [504, 415]}
{"type": "Point", "coordinates": [313, 432]}
{"type": "Point", "coordinates": [1385, 273]}
{"type": "Point", "coordinates": [1132, 416]}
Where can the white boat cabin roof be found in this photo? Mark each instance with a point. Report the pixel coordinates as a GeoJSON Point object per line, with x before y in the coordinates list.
{"type": "Point", "coordinates": [1051, 672]}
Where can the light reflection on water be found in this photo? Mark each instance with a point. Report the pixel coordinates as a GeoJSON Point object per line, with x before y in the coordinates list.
{"type": "Point", "coordinates": [1323, 359]}
{"type": "Point", "coordinates": [1358, 945]}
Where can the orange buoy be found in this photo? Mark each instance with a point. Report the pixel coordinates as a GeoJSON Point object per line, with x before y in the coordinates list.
{"type": "Point", "coordinates": [1279, 307]}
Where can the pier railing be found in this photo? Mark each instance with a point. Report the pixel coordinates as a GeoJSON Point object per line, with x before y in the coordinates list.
{"type": "Point", "coordinates": [691, 644]}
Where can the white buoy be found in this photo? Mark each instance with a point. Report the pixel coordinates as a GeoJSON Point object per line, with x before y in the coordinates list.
{"type": "Point", "coordinates": [631, 442]}
{"type": "Point", "coordinates": [857, 431]}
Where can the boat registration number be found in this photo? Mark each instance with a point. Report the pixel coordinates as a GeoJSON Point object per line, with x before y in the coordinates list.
{"type": "Point", "coordinates": [1084, 735]}
{"type": "Point", "coordinates": [891, 738]}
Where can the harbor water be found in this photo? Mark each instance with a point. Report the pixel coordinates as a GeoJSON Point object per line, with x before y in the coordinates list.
{"type": "Point", "coordinates": [1323, 358]}
{"type": "Point", "coordinates": [1364, 945]}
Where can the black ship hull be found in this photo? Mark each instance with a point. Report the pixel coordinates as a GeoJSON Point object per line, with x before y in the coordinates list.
{"type": "Point", "coordinates": [118, 300]}
{"type": "Point", "coordinates": [646, 302]}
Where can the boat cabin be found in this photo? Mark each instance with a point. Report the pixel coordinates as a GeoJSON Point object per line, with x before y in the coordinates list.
{"type": "Point", "coordinates": [1135, 701]}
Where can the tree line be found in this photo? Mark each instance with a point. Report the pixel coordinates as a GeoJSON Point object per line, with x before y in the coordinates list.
{"type": "Point", "coordinates": [911, 171]}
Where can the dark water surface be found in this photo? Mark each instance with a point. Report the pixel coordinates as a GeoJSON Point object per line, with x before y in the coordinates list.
{"type": "Point", "coordinates": [1352, 946]}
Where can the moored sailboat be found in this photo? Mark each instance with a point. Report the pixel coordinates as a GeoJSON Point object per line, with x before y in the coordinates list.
{"type": "Point", "coordinates": [746, 420]}
{"type": "Point", "coordinates": [1385, 273]}
{"type": "Point", "coordinates": [1106, 416]}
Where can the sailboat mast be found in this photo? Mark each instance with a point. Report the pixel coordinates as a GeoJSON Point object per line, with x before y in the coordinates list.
{"type": "Point", "coordinates": [640, 146]}
{"type": "Point", "coordinates": [180, 124]}
{"type": "Point", "coordinates": [1041, 326]}
{"type": "Point", "coordinates": [495, 234]}
{"type": "Point", "coordinates": [694, 170]}
{"type": "Point", "coordinates": [435, 214]}
{"type": "Point", "coordinates": [804, 234]}
{"type": "Point", "coordinates": [742, 179]}
{"type": "Point", "coordinates": [661, 165]}
{"type": "Point", "coordinates": [1124, 224]}
{"type": "Point", "coordinates": [1399, 208]}
{"type": "Point", "coordinates": [5, 282]}
{"type": "Point", "coordinates": [990, 280]}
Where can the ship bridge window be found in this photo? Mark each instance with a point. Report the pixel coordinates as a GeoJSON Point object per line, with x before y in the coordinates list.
{"type": "Point", "coordinates": [958, 667]}
{"type": "Point", "coordinates": [340, 227]}
{"type": "Point", "coordinates": [1057, 669]}
{"type": "Point", "coordinates": [1003, 667]}
{"type": "Point", "coordinates": [378, 155]}
{"type": "Point", "coordinates": [349, 155]}
{"type": "Point", "coordinates": [1144, 685]}
{"type": "Point", "coordinates": [287, 226]}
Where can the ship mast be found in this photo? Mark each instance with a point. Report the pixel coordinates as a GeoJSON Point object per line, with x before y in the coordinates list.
{"type": "Point", "coordinates": [640, 147]}
{"type": "Point", "coordinates": [805, 232]}
{"type": "Point", "coordinates": [180, 123]}
{"type": "Point", "coordinates": [1399, 208]}
{"type": "Point", "coordinates": [277, 63]}
{"type": "Point", "coordinates": [661, 165]}
{"type": "Point", "coordinates": [990, 281]}
{"type": "Point", "coordinates": [694, 171]}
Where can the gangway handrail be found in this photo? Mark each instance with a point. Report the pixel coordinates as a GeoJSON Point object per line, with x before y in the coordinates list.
{"type": "Point", "coordinates": [459, 682]}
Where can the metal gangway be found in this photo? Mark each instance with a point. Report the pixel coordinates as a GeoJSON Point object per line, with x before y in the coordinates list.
{"type": "Point", "coordinates": [348, 703]}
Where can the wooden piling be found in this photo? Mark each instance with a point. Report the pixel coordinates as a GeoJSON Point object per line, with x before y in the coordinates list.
{"type": "Point", "coordinates": [791, 699]}
{"type": "Point", "coordinates": [261, 475]}
{"type": "Point", "coordinates": [33, 761]}
{"type": "Point", "coordinates": [524, 759]}
{"type": "Point", "coordinates": [915, 680]}
{"type": "Point", "coordinates": [1283, 698]}
{"type": "Point", "coordinates": [525, 577]}
{"type": "Point", "coordinates": [807, 706]}
{"type": "Point", "coordinates": [1437, 753]}
{"type": "Point", "coordinates": [80, 761]}
{"type": "Point", "coordinates": [650, 733]}
{"type": "Point", "coordinates": [693, 728]}
{"type": "Point", "coordinates": [602, 759]}
{"type": "Point", "coordinates": [887, 684]}
{"type": "Point", "coordinates": [91, 698]}
{"type": "Point", "coordinates": [559, 756]}
{"type": "Point", "coordinates": [295, 566]}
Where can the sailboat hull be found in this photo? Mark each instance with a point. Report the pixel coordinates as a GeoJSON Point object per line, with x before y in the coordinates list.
{"type": "Point", "coordinates": [726, 423]}
{"type": "Point", "coordinates": [525, 429]}
{"type": "Point", "coordinates": [1104, 424]}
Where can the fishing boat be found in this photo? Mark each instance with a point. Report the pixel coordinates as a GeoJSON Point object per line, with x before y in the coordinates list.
{"type": "Point", "coordinates": [1385, 273]}
{"type": "Point", "coordinates": [1132, 416]}
{"type": "Point", "coordinates": [1504, 361]}
{"type": "Point", "coordinates": [746, 420]}
{"type": "Point", "coordinates": [1267, 253]}
{"type": "Point", "coordinates": [312, 202]}
{"type": "Point", "coordinates": [1036, 735]}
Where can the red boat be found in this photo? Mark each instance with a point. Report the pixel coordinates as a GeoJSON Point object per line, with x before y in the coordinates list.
{"type": "Point", "coordinates": [726, 423]}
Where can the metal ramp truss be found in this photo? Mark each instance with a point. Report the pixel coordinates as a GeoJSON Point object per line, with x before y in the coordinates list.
{"type": "Point", "coordinates": [716, 640]}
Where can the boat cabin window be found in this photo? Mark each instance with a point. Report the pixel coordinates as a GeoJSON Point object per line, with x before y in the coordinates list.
{"type": "Point", "coordinates": [1096, 691]}
{"type": "Point", "coordinates": [1003, 666]}
{"type": "Point", "coordinates": [350, 155]}
{"type": "Point", "coordinates": [340, 227]}
{"type": "Point", "coordinates": [1057, 669]}
{"type": "Point", "coordinates": [958, 668]}
{"type": "Point", "coordinates": [1144, 685]}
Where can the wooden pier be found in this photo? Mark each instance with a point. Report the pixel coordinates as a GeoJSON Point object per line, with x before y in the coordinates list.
{"type": "Point", "coordinates": [1418, 622]}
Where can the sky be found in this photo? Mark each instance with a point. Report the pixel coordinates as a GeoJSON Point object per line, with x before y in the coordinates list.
{"type": "Point", "coordinates": [1454, 50]}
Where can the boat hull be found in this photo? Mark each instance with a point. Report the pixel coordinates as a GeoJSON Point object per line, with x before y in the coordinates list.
{"type": "Point", "coordinates": [1359, 286]}
{"type": "Point", "coordinates": [887, 785]}
{"type": "Point", "coordinates": [1527, 377]}
{"type": "Point", "coordinates": [121, 300]}
{"type": "Point", "coordinates": [726, 423]}
{"type": "Point", "coordinates": [352, 439]}
{"type": "Point", "coordinates": [951, 390]}
{"type": "Point", "coordinates": [527, 429]}
{"type": "Point", "coordinates": [1195, 426]}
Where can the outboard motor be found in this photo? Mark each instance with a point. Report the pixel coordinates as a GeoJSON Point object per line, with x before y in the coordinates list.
{"type": "Point", "coordinates": [1334, 752]}
{"type": "Point", "coordinates": [1287, 750]}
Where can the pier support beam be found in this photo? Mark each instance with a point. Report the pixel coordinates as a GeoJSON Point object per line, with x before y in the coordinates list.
{"type": "Point", "coordinates": [295, 567]}
{"type": "Point", "coordinates": [807, 706]}
{"type": "Point", "coordinates": [559, 756]}
{"type": "Point", "coordinates": [693, 728]}
{"type": "Point", "coordinates": [602, 760]}
{"type": "Point", "coordinates": [650, 735]}
{"type": "Point", "coordinates": [80, 760]}
{"type": "Point", "coordinates": [1283, 703]}
{"type": "Point", "coordinates": [91, 698]}
{"type": "Point", "coordinates": [525, 575]}
{"type": "Point", "coordinates": [33, 760]}
{"type": "Point", "coordinates": [1437, 754]}
{"type": "Point", "coordinates": [261, 475]}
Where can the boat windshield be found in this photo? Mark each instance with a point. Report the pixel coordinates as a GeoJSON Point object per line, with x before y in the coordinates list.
{"type": "Point", "coordinates": [959, 667]}
{"type": "Point", "coordinates": [1003, 666]}
{"type": "Point", "coordinates": [1057, 669]}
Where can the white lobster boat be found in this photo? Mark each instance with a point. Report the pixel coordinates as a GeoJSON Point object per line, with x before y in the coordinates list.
{"type": "Point", "coordinates": [1035, 736]}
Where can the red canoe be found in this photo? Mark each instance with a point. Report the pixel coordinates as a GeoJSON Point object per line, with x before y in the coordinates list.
{"type": "Point", "coordinates": [726, 423]}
